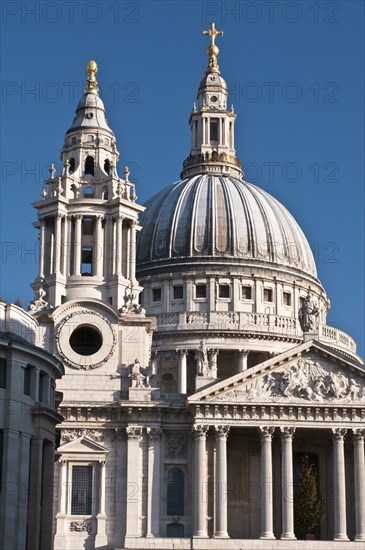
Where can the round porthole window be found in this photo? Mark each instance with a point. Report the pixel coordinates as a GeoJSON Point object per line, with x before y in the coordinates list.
{"type": "Point", "coordinates": [213, 98]}
{"type": "Point", "coordinates": [86, 340]}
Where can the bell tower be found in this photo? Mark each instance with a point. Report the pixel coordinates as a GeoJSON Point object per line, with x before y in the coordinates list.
{"type": "Point", "coordinates": [212, 125]}
{"type": "Point", "coordinates": [88, 217]}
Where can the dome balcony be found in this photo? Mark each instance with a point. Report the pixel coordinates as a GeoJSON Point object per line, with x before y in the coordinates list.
{"type": "Point", "coordinates": [212, 163]}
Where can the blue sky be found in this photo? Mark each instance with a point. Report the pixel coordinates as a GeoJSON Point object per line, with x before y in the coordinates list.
{"type": "Point", "coordinates": [295, 71]}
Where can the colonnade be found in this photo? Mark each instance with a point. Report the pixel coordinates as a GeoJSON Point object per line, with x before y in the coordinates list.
{"type": "Point", "coordinates": [61, 246]}
{"type": "Point", "coordinates": [287, 497]}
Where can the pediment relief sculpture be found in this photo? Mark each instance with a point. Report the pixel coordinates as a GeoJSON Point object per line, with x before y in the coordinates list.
{"type": "Point", "coordinates": [307, 379]}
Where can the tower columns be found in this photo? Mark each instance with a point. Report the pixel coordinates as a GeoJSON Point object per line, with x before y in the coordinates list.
{"type": "Point", "coordinates": [119, 244]}
{"type": "Point", "coordinates": [77, 245]}
{"type": "Point", "coordinates": [153, 489]}
{"type": "Point", "coordinates": [41, 248]}
{"type": "Point", "coordinates": [57, 244]}
{"type": "Point", "coordinates": [98, 253]}
{"type": "Point", "coordinates": [132, 250]}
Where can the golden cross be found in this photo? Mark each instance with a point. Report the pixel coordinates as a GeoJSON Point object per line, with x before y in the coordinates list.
{"type": "Point", "coordinates": [212, 33]}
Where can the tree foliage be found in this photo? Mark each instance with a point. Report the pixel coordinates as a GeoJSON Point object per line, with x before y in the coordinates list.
{"type": "Point", "coordinates": [308, 504]}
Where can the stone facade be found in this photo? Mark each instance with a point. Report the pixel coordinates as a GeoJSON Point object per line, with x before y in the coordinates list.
{"type": "Point", "coordinates": [27, 432]}
{"type": "Point", "coordinates": [188, 432]}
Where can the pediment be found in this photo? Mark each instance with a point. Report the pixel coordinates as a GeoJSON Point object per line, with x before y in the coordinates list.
{"type": "Point", "coordinates": [81, 446]}
{"type": "Point", "coordinates": [309, 373]}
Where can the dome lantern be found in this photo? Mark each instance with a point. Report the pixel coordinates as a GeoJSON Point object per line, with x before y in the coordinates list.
{"type": "Point", "coordinates": [212, 125]}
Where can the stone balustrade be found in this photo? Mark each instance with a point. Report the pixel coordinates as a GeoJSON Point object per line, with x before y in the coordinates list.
{"type": "Point", "coordinates": [257, 323]}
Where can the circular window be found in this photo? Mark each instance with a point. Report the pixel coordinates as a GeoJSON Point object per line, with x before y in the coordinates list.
{"type": "Point", "coordinates": [213, 98]}
{"type": "Point", "coordinates": [86, 340]}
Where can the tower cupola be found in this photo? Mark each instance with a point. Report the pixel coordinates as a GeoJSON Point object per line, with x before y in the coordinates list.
{"type": "Point", "coordinates": [212, 125]}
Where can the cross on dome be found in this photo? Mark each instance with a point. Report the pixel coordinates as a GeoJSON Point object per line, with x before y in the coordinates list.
{"type": "Point", "coordinates": [212, 50]}
{"type": "Point", "coordinates": [91, 82]}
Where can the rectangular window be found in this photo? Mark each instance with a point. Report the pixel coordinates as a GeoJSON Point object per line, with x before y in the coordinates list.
{"type": "Point", "coordinates": [81, 494]}
{"type": "Point", "coordinates": [200, 291]}
{"type": "Point", "coordinates": [86, 261]}
{"type": "Point", "coordinates": [178, 292]}
{"type": "Point", "coordinates": [26, 380]}
{"type": "Point", "coordinates": [223, 291]}
{"type": "Point", "coordinates": [156, 294]}
{"type": "Point", "coordinates": [286, 298]}
{"type": "Point", "coordinates": [2, 372]}
{"type": "Point", "coordinates": [214, 129]}
{"type": "Point", "coordinates": [268, 295]}
{"type": "Point", "coordinates": [247, 292]}
{"type": "Point", "coordinates": [87, 226]}
{"type": "Point", "coordinates": [40, 386]}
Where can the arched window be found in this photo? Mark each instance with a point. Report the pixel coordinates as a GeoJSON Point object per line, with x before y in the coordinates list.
{"type": "Point", "coordinates": [107, 166]}
{"type": "Point", "coordinates": [89, 193]}
{"type": "Point", "coordinates": [72, 165]}
{"type": "Point", "coordinates": [175, 530]}
{"type": "Point", "coordinates": [175, 492]}
{"type": "Point", "coordinates": [74, 190]}
{"type": "Point", "coordinates": [89, 166]}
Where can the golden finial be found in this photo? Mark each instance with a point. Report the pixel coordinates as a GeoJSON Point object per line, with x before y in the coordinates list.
{"type": "Point", "coordinates": [91, 82]}
{"type": "Point", "coordinates": [212, 50]}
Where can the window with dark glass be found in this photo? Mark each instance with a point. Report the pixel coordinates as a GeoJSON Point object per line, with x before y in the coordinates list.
{"type": "Point", "coordinates": [87, 226]}
{"type": "Point", "coordinates": [81, 494]}
{"type": "Point", "coordinates": [175, 492]}
{"type": "Point", "coordinates": [156, 294]}
{"type": "Point", "coordinates": [41, 386]}
{"type": "Point", "coordinates": [86, 261]}
{"type": "Point", "coordinates": [200, 291]}
{"type": "Point", "coordinates": [286, 298]}
{"type": "Point", "coordinates": [247, 292]}
{"type": "Point", "coordinates": [2, 372]}
{"type": "Point", "coordinates": [223, 291]}
{"type": "Point", "coordinates": [26, 380]}
{"type": "Point", "coordinates": [178, 292]}
{"type": "Point", "coordinates": [267, 295]}
{"type": "Point", "coordinates": [214, 129]}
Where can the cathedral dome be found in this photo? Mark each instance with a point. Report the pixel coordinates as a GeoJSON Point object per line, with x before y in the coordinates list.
{"type": "Point", "coordinates": [218, 219]}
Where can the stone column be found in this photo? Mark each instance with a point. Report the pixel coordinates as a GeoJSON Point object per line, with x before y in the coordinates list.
{"type": "Point", "coordinates": [67, 246]}
{"type": "Point", "coordinates": [41, 248]}
{"type": "Point", "coordinates": [242, 363]}
{"type": "Point", "coordinates": [221, 435]}
{"type": "Point", "coordinates": [339, 484]}
{"type": "Point", "coordinates": [153, 489]}
{"type": "Point", "coordinates": [108, 246]}
{"type": "Point", "coordinates": [267, 532]}
{"type": "Point", "coordinates": [101, 538]}
{"type": "Point", "coordinates": [133, 496]}
{"type": "Point", "coordinates": [213, 366]}
{"type": "Point", "coordinates": [57, 244]}
{"type": "Point", "coordinates": [182, 381]}
{"type": "Point", "coordinates": [98, 252]}
{"type": "Point", "coordinates": [359, 463]}
{"type": "Point", "coordinates": [287, 494]}
{"type": "Point", "coordinates": [154, 363]}
{"type": "Point", "coordinates": [132, 250]}
{"type": "Point", "coordinates": [77, 245]}
{"type": "Point", "coordinates": [118, 244]}
{"type": "Point", "coordinates": [200, 483]}
{"type": "Point", "coordinates": [46, 538]}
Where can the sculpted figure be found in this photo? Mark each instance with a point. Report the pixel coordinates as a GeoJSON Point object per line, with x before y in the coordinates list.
{"type": "Point", "coordinates": [137, 378]}
{"type": "Point", "coordinates": [201, 357]}
{"type": "Point", "coordinates": [308, 314]}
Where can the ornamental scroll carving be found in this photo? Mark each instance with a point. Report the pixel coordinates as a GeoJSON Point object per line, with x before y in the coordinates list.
{"type": "Point", "coordinates": [307, 379]}
{"type": "Point", "coordinates": [71, 435]}
{"type": "Point", "coordinates": [80, 526]}
{"type": "Point", "coordinates": [176, 446]}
